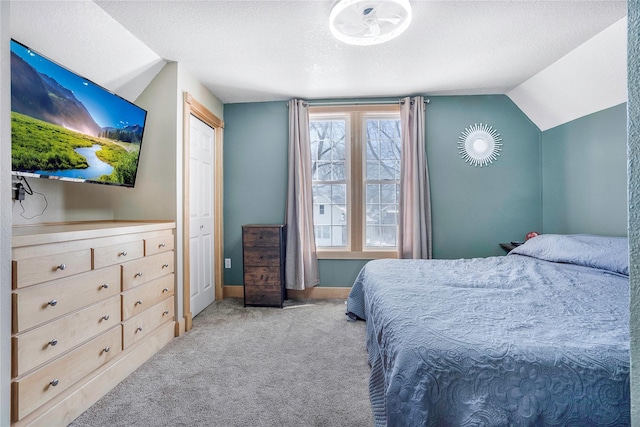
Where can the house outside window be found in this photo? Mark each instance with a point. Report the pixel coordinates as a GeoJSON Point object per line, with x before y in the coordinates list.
{"type": "Point", "coordinates": [355, 155]}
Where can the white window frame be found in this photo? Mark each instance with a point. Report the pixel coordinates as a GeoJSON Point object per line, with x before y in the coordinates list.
{"type": "Point", "coordinates": [355, 180]}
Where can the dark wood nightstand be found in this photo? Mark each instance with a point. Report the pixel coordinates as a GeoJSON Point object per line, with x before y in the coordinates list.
{"type": "Point", "coordinates": [263, 248]}
{"type": "Point", "coordinates": [508, 247]}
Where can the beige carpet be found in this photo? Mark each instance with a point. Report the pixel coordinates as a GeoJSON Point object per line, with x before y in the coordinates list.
{"type": "Point", "coordinates": [303, 365]}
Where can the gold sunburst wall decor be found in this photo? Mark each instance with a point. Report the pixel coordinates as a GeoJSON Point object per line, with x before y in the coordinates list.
{"type": "Point", "coordinates": [479, 144]}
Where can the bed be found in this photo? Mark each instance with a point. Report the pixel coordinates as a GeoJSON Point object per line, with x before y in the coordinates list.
{"type": "Point", "coordinates": [537, 337]}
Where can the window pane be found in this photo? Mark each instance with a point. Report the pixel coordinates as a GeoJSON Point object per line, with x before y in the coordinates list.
{"type": "Point", "coordinates": [373, 193]}
{"type": "Point", "coordinates": [383, 149]}
{"type": "Point", "coordinates": [389, 169]}
{"type": "Point", "coordinates": [389, 214]}
{"type": "Point", "coordinates": [382, 164]}
{"type": "Point", "coordinates": [329, 214]}
{"type": "Point", "coordinates": [388, 193]}
{"type": "Point", "coordinates": [373, 213]}
{"type": "Point", "coordinates": [338, 193]}
{"type": "Point", "coordinates": [338, 236]}
{"type": "Point", "coordinates": [338, 171]}
{"type": "Point", "coordinates": [373, 170]}
{"type": "Point", "coordinates": [328, 152]}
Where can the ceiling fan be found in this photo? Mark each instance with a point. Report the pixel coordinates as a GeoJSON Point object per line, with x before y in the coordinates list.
{"type": "Point", "coordinates": [368, 22]}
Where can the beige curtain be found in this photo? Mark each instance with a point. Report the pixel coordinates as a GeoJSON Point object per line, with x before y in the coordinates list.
{"type": "Point", "coordinates": [301, 263]}
{"type": "Point", "coordinates": [414, 240]}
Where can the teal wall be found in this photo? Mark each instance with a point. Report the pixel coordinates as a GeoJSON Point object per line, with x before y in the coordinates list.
{"type": "Point", "coordinates": [473, 208]}
{"type": "Point", "coordinates": [255, 173]}
{"type": "Point", "coordinates": [584, 175]}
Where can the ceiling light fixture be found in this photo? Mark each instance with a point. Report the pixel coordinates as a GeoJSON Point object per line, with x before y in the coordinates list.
{"type": "Point", "coordinates": [368, 22]}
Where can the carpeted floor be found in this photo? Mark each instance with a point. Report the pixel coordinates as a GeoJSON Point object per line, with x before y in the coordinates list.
{"type": "Point", "coordinates": [303, 365]}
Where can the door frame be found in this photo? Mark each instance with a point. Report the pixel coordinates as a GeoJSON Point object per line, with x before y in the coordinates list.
{"type": "Point", "coordinates": [191, 107]}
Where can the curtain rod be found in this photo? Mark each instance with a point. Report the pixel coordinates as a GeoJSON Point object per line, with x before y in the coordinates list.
{"type": "Point", "coordinates": [329, 103]}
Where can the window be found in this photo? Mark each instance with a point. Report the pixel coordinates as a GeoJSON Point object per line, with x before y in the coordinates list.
{"type": "Point", "coordinates": [355, 156]}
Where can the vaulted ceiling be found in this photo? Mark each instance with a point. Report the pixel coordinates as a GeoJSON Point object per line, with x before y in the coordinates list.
{"type": "Point", "coordinates": [248, 51]}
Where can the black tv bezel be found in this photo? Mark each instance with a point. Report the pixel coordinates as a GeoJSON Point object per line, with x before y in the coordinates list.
{"type": "Point", "coordinates": [26, 174]}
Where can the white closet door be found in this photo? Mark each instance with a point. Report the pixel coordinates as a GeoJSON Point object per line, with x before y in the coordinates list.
{"type": "Point", "coordinates": [201, 197]}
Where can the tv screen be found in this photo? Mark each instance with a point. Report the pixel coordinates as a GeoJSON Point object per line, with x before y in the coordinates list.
{"type": "Point", "coordinates": [66, 127]}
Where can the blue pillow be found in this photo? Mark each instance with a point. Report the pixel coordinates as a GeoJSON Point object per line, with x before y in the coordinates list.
{"type": "Point", "coordinates": [603, 252]}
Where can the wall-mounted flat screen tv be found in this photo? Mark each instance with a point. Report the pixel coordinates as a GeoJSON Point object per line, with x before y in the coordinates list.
{"type": "Point", "coordinates": [66, 127]}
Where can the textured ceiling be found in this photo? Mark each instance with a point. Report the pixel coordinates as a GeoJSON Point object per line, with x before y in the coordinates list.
{"type": "Point", "coordinates": [245, 51]}
{"type": "Point", "coordinates": [265, 50]}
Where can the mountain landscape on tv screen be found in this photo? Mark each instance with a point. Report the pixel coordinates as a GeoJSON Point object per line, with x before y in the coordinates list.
{"type": "Point", "coordinates": [41, 97]}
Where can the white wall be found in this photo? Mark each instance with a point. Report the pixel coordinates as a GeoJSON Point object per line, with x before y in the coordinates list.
{"type": "Point", "coordinates": [158, 192]}
{"type": "Point", "coordinates": [55, 201]}
{"type": "Point", "coordinates": [5, 217]}
{"type": "Point", "coordinates": [588, 79]}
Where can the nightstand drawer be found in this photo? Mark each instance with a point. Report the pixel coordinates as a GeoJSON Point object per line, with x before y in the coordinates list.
{"type": "Point", "coordinates": [265, 295]}
{"type": "Point", "coordinates": [50, 267]}
{"type": "Point", "coordinates": [44, 384]}
{"type": "Point", "coordinates": [262, 256]}
{"type": "Point", "coordinates": [261, 236]}
{"type": "Point", "coordinates": [41, 344]}
{"type": "Point", "coordinates": [262, 276]}
{"type": "Point", "coordinates": [38, 304]}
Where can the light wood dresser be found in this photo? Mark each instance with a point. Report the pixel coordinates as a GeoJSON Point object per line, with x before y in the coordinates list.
{"type": "Point", "coordinates": [263, 255]}
{"type": "Point", "coordinates": [91, 301]}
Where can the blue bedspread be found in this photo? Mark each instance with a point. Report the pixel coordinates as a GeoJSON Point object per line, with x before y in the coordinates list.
{"type": "Point", "coordinates": [513, 340]}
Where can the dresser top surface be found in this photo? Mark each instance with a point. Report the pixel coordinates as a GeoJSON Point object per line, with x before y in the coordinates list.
{"type": "Point", "coordinates": [27, 235]}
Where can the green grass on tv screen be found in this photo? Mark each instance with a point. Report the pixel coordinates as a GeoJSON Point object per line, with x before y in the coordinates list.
{"type": "Point", "coordinates": [38, 145]}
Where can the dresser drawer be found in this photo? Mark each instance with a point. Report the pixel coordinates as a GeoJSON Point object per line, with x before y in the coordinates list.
{"type": "Point", "coordinates": [261, 236]}
{"type": "Point", "coordinates": [117, 254]}
{"type": "Point", "coordinates": [137, 272]}
{"type": "Point", "coordinates": [262, 276]}
{"type": "Point", "coordinates": [45, 383]}
{"type": "Point", "coordinates": [50, 267]}
{"type": "Point", "coordinates": [41, 344]}
{"type": "Point", "coordinates": [38, 304]}
{"type": "Point", "coordinates": [261, 256]}
{"type": "Point", "coordinates": [138, 299]}
{"type": "Point", "coordinates": [139, 326]}
{"type": "Point", "coordinates": [155, 245]}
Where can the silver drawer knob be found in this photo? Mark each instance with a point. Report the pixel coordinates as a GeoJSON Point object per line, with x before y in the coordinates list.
{"type": "Point", "coordinates": [138, 274]}
{"type": "Point", "coordinates": [53, 342]}
{"type": "Point", "coordinates": [106, 349]}
{"type": "Point", "coordinates": [139, 302]}
{"type": "Point", "coordinates": [139, 329]}
{"type": "Point", "coordinates": [105, 286]}
{"type": "Point", "coordinates": [123, 253]}
{"type": "Point", "coordinates": [165, 312]}
{"type": "Point", "coordinates": [54, 382]}
{"type": "Point", "coordinates": [161, 245]}
{"type": "Point", "coordinates": [165, 265]}
{"type": "Point", "coordinates": [52, 303]}
{"type": "Point", "coordinates": [165, 290]}
{"type": "Point", "coordinates": [105, 317]}
{"type": "Point", "coordinates": [61, 267]}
